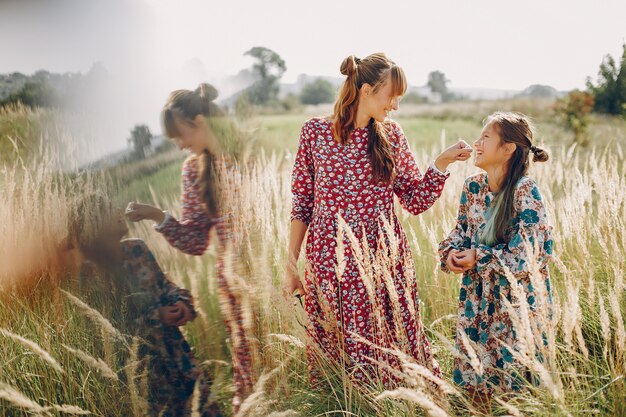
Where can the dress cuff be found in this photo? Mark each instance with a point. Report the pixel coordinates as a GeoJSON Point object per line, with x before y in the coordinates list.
{"type": "Point", "coordinates": [438, 171]}
{"type": "Point", "coordinates": [159, 226]}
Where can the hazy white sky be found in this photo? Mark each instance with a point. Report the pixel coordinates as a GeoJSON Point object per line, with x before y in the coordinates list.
{"type": "Point", "coordinates": [154, 46]}
{"type": "Point", "coordinates": [478, 43]}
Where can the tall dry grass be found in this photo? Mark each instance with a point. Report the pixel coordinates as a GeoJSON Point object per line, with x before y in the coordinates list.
{"type": "Point", "coordinates": [582, 374]}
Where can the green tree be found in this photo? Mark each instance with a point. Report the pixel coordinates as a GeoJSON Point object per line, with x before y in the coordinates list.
{"type": "Point", "coordinates": [573, 111]}
{"type": "Point", "coordinates": [268, 68]}
{"type": "Point", "coordinates": [140, 139]}
{"type": "Point", "coordinates": [438, 83]}
{"type": "Point", "coordinates": [33, 94]}
{"type": "Point", "coordinates": [317, 92]}
{"type": "Point", "coordinates": [610, 91]}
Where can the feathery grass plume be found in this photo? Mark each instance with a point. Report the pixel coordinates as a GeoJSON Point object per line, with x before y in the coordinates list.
{"type": "Point", "coordinates": [97, 364]}
{"type": "Point", "coordinates": [70, 409]}
{"type": "Point", "coordinates": [286, 413]}
{"type": "Point", "coordinates": [43, 354]}
{"type": "Point", "coordinates": [195, 400]}
{"type": "Point", "coordinates": [605, 325]}
{"type": "Point", "coordinates": [620, 333]}
{"type": "Point", "coordinates": [95, 316]}
{"type": "Point", "coordinates": [139, 403]}
{"type": "Point", "coordinates": [292, 340]}
{"type": "Point", "coordinates": [417, 397]}
{"type": "Point", "coordinates": [15, 397]}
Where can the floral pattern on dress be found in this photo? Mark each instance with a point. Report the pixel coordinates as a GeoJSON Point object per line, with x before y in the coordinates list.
{"type": "Point", "coordinates": [482, 317]}
{"type": "Point", "coordinates": [191, 235]}
{"type": "Point", "coordinates": [332, 181]}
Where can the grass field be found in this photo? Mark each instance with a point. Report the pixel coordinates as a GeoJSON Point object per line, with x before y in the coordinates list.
{"type": "Point", "coordinates": [585, 191]}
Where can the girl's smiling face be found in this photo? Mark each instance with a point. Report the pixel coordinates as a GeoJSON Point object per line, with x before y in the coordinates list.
{"type": "Point", "coordinates": [490, 151]}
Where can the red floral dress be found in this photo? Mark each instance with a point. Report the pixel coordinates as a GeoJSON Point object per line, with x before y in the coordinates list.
{"type": "Point", "coordinates": [190, 234]}
{"type": "Point", "coordinates": [330, 181]}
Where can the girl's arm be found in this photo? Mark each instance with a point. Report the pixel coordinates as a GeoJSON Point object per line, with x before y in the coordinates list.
{"type": "Point", "coordinates": [143, 265]}
{"type": "Point", "coordinates": [457, 239]}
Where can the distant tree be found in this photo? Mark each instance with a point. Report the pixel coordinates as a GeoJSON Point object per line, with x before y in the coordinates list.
{"type": "Point", "coordinates": [317, 92]}
{"type": "Point", "coordinates": [269, 67]}
{"type": "Point", "coordinates": [538, 90]}
{"type": "Point", "coordinates": [610, 90]}
{"type": "Point", "coordinates": [438, 83]}
{"type": "Point", "coordinates": [32, 94]}
{"type": "Point", "coordinates": [140, 140]}
{"type": "Point", "coordinates": [573, 111]}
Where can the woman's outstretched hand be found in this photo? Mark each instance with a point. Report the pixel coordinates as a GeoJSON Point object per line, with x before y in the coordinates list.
{"type": "Point", "coordinates": [460, 151]}
{"type": "Point", "coordinates": [136, 212]}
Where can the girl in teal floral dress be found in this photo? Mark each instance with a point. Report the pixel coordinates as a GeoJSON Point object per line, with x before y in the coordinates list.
{"type": "Point", "coordinates": [501, 210]}
{"type": "Point", "coordinates": [122, 279]}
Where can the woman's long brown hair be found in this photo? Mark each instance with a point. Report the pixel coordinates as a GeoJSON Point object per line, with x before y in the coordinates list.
{"type": "Point", "coordinates": [375, 70]}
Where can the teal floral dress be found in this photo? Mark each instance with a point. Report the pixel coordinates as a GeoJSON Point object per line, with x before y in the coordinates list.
{"type": "Point", "coordinates": [482, 316]}
{"type": "Point", "coordinates": [130, 296]}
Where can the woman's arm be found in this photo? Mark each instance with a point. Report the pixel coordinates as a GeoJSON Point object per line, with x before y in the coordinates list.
{"type": "Point", "coordinates": [417, 192]}
{"type": "Point", "coordinates": [302, 189]}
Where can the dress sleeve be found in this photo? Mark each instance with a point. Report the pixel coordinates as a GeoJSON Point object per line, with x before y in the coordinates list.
{"type": "Point", "coordinates": [416, 192]}
{"type": "Point", "coordinates": [303, 177]}
{"type": "Point", "coordinates": [143, 265]}
{"type": "Point", "coordinates": [531, 226]}
{"type": "Point", "coordinates": [190, 234]}
{"type": "Point", "coordinates": [458, 238]}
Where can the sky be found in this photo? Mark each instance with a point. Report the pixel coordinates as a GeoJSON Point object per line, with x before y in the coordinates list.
{"type": "Point", "coordinates": [150, 47]}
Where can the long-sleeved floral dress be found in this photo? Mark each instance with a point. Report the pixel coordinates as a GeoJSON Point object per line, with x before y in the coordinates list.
{"type": "Point", "coordinates": [135, 290]}
{"type": "Point", "coordinates": [481, 313]}
{"type": "Point", "coordinates": [354, 311]}
{"type": "Point", "coordinates": [190, 235]}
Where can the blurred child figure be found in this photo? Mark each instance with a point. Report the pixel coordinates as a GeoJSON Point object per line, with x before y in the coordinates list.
{"type": "Point", "coordinates": [140, 301]}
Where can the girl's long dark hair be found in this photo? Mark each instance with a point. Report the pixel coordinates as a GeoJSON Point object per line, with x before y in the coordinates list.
{"type": "Point", "coordinates": [513, 128]}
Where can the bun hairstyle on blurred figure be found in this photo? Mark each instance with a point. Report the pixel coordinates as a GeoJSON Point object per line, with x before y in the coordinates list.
{"type": "Point", "coordinates": [184, 107]}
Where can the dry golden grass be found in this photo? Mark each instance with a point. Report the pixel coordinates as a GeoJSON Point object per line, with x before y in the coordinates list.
{"type": "Point", "coordinates": [585, 363]}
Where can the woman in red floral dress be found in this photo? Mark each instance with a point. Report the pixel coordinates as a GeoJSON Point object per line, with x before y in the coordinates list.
{"type": "Point", "coordinates": [349, 166]}
{"type": "Point", "coordinates": [185, 119]}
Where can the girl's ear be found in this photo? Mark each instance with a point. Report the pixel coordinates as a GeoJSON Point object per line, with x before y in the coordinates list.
{"type": "Point", "coordinates": [509, 148]}
{"type": "Point", "coordinates": [366, 89]}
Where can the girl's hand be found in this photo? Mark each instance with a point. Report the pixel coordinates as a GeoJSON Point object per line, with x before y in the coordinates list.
{"type": "Point", "coordinates": [460, 151]}
{"type": "Point", "coordinates": [293, 283]}
{"type": "Point", "coordinates": [175, 315]}
{"type": "Point", "coordinates": [136, 212]}
{"type": "Point", "coordinates": [451, 263]}
{"type": "Point", "coordinates": [465, 259]}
